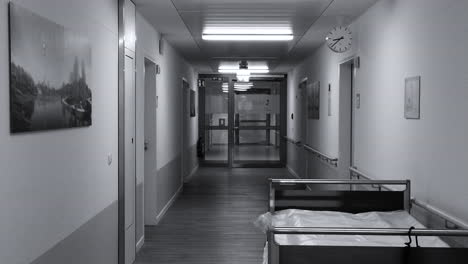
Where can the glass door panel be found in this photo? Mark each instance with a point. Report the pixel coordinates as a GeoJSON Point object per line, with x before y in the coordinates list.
{"type": "Point", "coordinates": [257, 124]}
{"type": "Point", "coordinates": [216, 121]}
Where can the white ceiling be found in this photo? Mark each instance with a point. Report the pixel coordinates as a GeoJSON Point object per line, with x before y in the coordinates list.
{"type": "Point", "coordinates": [182, 23]}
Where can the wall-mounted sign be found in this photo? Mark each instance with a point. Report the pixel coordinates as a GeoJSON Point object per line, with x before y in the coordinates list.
{"type": "Point", "coordinates": [412, 97]}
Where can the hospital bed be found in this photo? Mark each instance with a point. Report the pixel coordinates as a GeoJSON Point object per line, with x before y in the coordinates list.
{"type": "Point", "coordinates": [351, 221]}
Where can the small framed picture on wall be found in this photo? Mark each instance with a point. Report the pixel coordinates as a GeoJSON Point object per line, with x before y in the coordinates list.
{"type": "Point", "coordinates": [413, 97]}
{"type": "Point", "coordinates": [193, 111]}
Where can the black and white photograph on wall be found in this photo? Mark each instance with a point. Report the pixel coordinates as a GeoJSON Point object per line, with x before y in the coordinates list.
{"type": "Point", "coordinates": [313, 100]}
{"type": "Point", "coordinates": [50, 68]}
{"type": "Point", "coordinates": [412, 97]}
{"type": "Point", "coordinates": [193, 95]}
{"type": "Point", "coordinates": [329, 100]}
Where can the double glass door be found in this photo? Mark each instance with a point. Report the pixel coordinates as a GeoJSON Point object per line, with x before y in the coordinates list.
{"type": "Point", "coordinates": [242, 126]}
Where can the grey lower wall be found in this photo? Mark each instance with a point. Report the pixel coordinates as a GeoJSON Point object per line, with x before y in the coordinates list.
{"type": "Point", "coordinates": [305, 165]}
{"type": "Point", "coordinates": [293, 159]}
{"type": "Point", "coordinates": [169, 181]}
{"type": "Point", "coordinates": [93, 242]}
{"type": "Point", "coordinates": [319, 169]}
{"type": "Point", "coordinates": [139, 211]}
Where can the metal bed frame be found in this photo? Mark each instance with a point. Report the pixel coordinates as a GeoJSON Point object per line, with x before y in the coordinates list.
{"type": "Point", "coordinates": [316, 195]}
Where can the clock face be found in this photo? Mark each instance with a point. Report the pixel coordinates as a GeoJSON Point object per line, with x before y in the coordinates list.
{"type": "Point", "coordinates": [339, 39]}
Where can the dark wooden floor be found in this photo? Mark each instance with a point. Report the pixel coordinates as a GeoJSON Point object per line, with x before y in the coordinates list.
{"type": "Point", "coordinates": [212, 221]}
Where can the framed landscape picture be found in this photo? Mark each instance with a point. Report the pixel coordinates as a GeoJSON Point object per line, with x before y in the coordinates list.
{"type": "Point", "coordinates": [50, 69]}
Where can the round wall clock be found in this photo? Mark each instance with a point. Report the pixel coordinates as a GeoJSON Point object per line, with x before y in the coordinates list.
{"type": "Point", "coordinates": [339, 39]}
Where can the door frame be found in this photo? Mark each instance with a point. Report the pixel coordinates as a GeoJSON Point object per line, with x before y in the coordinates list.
{"type": "Point", "coordinates": [351, 64]}
{"type": "Point", "coordinates": [202, 122]}
{"type": "Point", "coordinates": [184, 112]}
{"type": "Point", "coordinates": [230, 79]}
{"type": "Point", "coordinates": [303, 89]}
{"type": "Point", "coordinates": [283, 124]}
{"type": "Point", "coordinates": [121, 136]}
{"type": "Point", "coordinates": [148, 58]}
{"type": "Point", "coordinates": [131, 55]}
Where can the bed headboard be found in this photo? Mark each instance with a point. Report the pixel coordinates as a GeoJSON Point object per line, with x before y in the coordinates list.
{"type": "Point", "coordinates": [349, 196]}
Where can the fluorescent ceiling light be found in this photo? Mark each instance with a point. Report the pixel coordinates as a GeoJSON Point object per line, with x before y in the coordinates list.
{"type": "Point", "coordinates": [267, 76]}
{"type": "Point", "coordinates": [248, 37]}
{"type": "Point", "coordinates": [248, 30]}
{"type": "Point", "coordinates": [243, 85]}
{"type": "Point", "coordinates": [232, 69]}
{"type": "Point", "coordinates": [237, 70]}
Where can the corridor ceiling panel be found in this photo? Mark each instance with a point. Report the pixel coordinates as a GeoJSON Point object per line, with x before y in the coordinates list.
{"type": "Point", "coordinates": [297, 16]}
{"type": "Point", "coordinates": [183, 23]}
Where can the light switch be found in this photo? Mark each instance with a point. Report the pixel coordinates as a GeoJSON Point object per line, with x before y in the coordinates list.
{"type": "Point", "coordinates": [358, 101]}
{"type": "Point", "coordinates": [109, 159]}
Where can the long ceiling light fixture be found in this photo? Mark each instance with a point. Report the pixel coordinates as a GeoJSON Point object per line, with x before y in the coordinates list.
{"type": "Point", "coordinates": [237, 70]}
{"type": "Point", "coordinates": [245, 37]}
{"type": "Point", "coordinates": [243, 71]}
{"type": "Point", "coordinates": [248, 34]}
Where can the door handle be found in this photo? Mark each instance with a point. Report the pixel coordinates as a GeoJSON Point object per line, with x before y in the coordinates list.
{"type": "Point", "coordinates": [146, 145]}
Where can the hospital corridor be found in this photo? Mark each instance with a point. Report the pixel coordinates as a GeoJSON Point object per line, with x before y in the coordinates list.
{"type": "Point", "coordinates": [233, 131]}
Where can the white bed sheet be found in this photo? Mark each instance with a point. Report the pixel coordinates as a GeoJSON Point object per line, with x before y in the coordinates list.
{"type": "Point", "coordinates": [304, 218]}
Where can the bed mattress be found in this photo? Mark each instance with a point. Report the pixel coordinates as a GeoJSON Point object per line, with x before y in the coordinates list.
{"type": "Point", "coordinates": [304, 218]}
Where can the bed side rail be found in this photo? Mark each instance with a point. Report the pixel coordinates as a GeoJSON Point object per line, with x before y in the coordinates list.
{"type": "Point", "coordinates": [366, 231]}
{"type": "Point", "coordinates": [312, 194]}
{"type": "Point", "coordinates": [409, 252]}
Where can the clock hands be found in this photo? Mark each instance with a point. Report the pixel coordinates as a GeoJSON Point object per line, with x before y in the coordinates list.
{"type": "Point", "coordinates": [337, 40]}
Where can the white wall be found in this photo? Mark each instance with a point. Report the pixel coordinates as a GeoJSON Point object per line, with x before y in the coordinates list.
{"type": "Point", "coordinates": [169, 83]}
{"type": "Point", "coordinates": [53, 182]}
{"type": "Point", "coordinates": [397, 39]}
{"type": "Point", "coordinates": [169, 111]}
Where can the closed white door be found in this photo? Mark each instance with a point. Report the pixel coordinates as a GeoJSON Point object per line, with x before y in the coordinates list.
{"type": "Point", "coordinates": [304, 155]}
{"type": "Point", "coordinates": [150, 201]}
{"type": "Point", "coordinates": [130, 179]}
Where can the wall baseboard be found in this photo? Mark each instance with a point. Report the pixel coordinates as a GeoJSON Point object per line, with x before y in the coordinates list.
{"type": "Point", "coordinates": [293, 172]}
{"type": "Point", "coordinates": [140, 243]}
{"type": "Point", "coordinates": [192, 173]}
{"type": "Point", "coordinates": [168, 205]}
